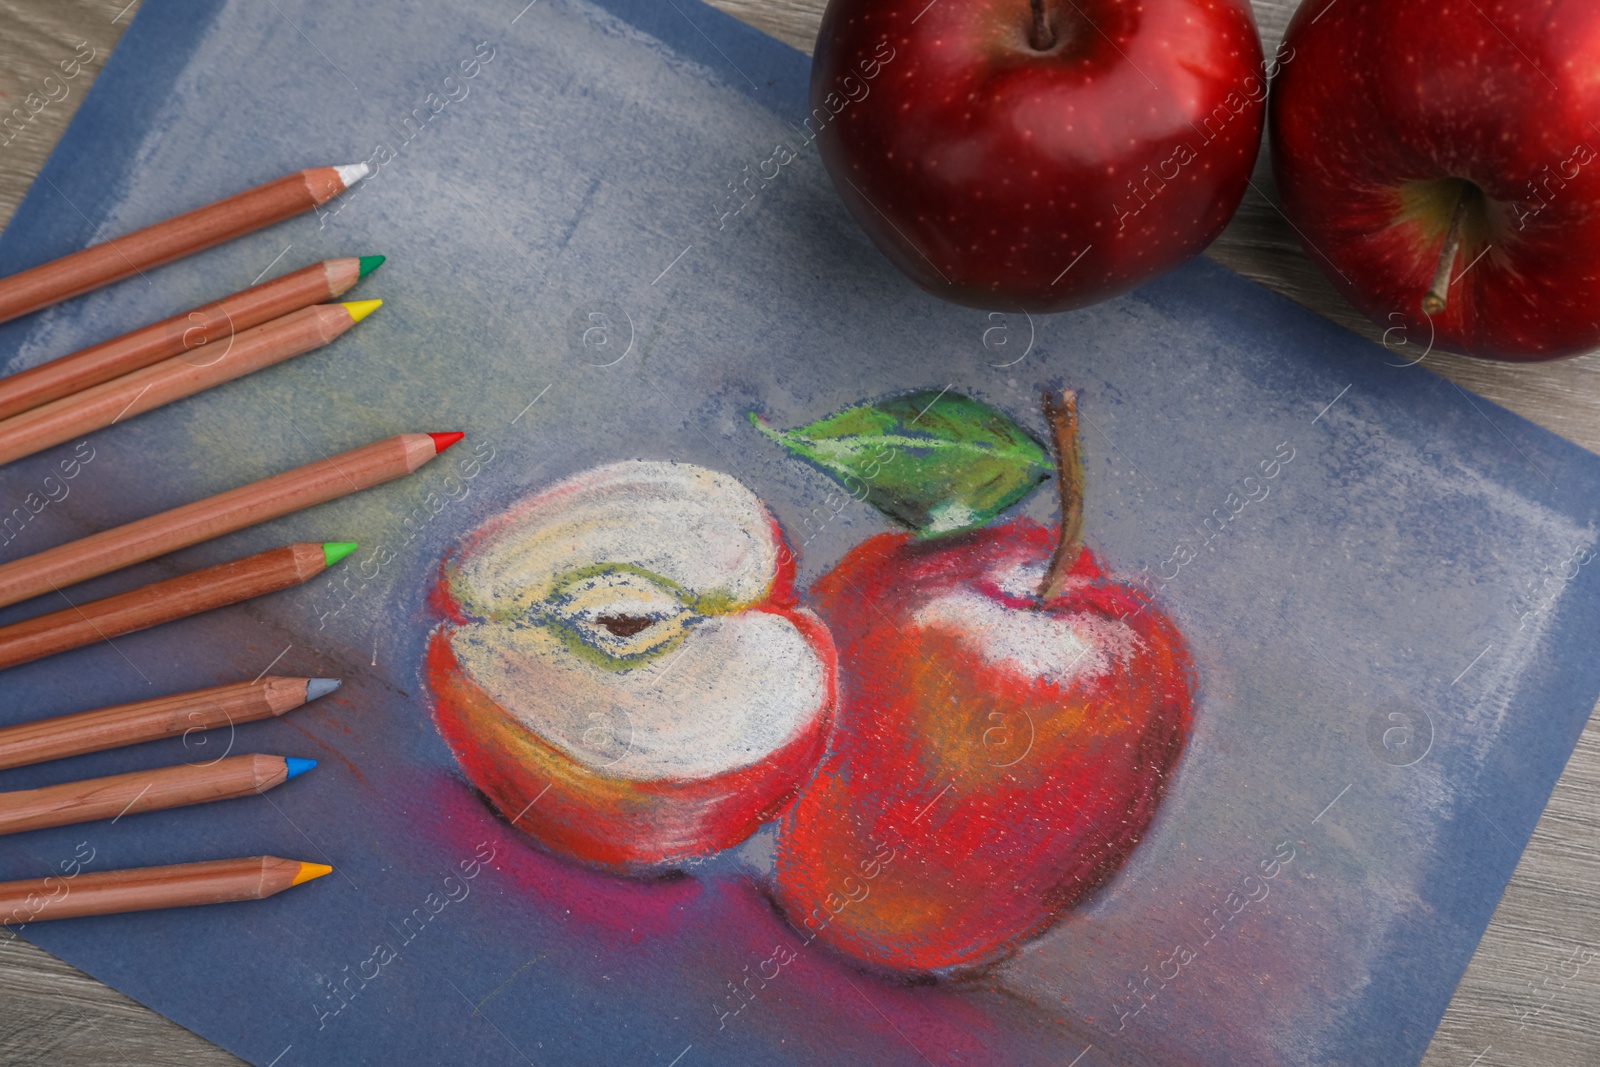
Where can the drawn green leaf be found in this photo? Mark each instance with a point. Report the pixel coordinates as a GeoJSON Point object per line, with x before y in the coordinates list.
{"type": "Point", "coordinates": [939, 463]}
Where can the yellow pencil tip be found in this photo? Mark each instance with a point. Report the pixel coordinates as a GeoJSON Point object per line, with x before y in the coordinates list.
{"type": "Point", "coordinates": [360, 309]}
{"type": "Point", "coordinates": [308, 871]}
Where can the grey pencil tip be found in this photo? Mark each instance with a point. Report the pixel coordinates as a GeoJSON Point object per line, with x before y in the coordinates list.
{"type": "Point", "coordinates": [320, 687]}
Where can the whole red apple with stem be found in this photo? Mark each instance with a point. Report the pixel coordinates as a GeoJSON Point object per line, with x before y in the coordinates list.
{"type": "Point", "coordinates": [1041, 155]}
{"type": "Point", "coordinates": [1439, 162]}
{"type": "Point", "coordinates": [1010, 719]}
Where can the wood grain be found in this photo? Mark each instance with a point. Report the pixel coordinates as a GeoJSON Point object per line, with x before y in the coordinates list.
{"type": "Point", "coordinates": [95, 730]}
{"type": "Point", "coordinates": [134, 792]}
{"type": "Point", "coordinates": [177, 885]}
{"type": "Point", "coordinates": [54, 1015]}
{"type": "Point", "coordinates": [182, 235]}
{"type": "Point", "coordinates": [172, 379]}
{"type": "Point", "coordinates": [293, 490]}
{"type": "Point", "coordinates": [159, 602]}
{"type": "Point", "coordinates": [185, 332]}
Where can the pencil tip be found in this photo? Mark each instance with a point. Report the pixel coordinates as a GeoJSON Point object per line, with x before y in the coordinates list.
{"type": "Point", "coordinates": [320, 687]}
{"type": "Point", "coordinates": [442, 441]}
{"type": "Point", "coordinates": [297, 766]}
{"type": "Point", "coordinates": [360, 309]}
{"type": "Point", "coordinates": [308, 871]}
{"type": "Point", "coordinates": [350, 173]}
{"type": "Point", "coordinates": [369, 264]}
{"type": "Point", "coordinates": [334, 551]}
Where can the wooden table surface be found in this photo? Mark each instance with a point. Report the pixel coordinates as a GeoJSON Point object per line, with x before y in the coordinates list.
{"type": "Point", "coordinates": [51, 1014]}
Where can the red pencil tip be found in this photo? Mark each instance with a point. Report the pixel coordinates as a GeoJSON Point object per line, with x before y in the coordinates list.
{"type": "Point", "coordinates": [442, 441]}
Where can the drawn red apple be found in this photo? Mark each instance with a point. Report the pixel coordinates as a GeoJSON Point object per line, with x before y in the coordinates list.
{"type": "Point", "coordinates": [623, 669]}
{"type": "Point", "coordinates": [1010, 719]}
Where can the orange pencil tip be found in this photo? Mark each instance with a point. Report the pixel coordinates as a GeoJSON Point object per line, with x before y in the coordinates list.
{"type": "Point", "coordinates": [442, 441]}
{"type": "Point", "coordinates": [309, 871]}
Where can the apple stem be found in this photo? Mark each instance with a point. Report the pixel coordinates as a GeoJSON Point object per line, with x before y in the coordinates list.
{"type": "Point", "coordinates": [1061, 412]}
{"type": "Point", "coordinates": [1040, 36]}
{"type": "Point", "coordinates": [1438, 294]}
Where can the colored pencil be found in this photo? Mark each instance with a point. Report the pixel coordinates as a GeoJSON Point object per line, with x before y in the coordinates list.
{"type": "Point", "coordinates": [175, 598]}
{"type": "Point", "coordinates": [294, 490]}
{"type": "Point", "coordinates": [185, 332]}
{"type": "Point", "coordinates": [149, 720]}
{"type": "Point", "coordinates": [173, 238]}
{"type": "Point", "coordinates": [172, 379]}
{"type": "Point", "coordinates": [181, 885]}
{"type": "Point", "coordinates": [117, 795]}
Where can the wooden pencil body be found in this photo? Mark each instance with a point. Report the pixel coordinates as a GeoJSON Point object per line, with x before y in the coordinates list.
{"type": "Point", "coordinates": [186, 332]}
{"type": "Point", "coordinates": [145, 888]}
{"type": "Point", "coordinates": [176, 598]}
{"type": "Point", "coordinates": [148, 720]}
{"type": "Point", "coordinates": [167, 240]}
{"type": "Point", "coordinates": [138, 791]}
{"type": "Point", "coordinates": [282, 494]}
{"type": "Point", "coordinates": [172, 379]}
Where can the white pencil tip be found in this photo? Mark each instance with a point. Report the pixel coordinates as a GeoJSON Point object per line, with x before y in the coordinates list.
{"type": "Point", "coordinates": [351, 173]}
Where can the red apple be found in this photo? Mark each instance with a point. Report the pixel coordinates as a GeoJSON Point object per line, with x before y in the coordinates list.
{"type": "Point", "coordinates": [1009, 719]}
{"type": "Point", "coordinates": [1006, 156]}
{"type": "Point", "coordinates": [623, 669]}
{"type": "Point", "coordinates": [1438, 160]}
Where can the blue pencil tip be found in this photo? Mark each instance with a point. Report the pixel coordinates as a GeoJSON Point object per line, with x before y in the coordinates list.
{"type": "Point", "coordinates": [320, 687]}
{"type": "Point", "coordinates": [297, 766]}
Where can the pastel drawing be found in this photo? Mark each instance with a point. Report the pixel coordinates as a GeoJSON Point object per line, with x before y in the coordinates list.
{"type": "Point", "coordinates": [625, 671]}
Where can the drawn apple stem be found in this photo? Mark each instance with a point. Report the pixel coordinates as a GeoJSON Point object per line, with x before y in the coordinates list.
{"type": "Point", "coordinates": [1061, 412]}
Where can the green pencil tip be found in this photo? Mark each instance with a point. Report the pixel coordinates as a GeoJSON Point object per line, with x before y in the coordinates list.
{"type": "Point", "coordinates": [334, 551]}
{"type": "Point", "coordinates": [369, 264]}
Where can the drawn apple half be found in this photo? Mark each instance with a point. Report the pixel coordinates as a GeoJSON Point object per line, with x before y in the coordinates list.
{"type": "Point", "coordinates": [622, 667]}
